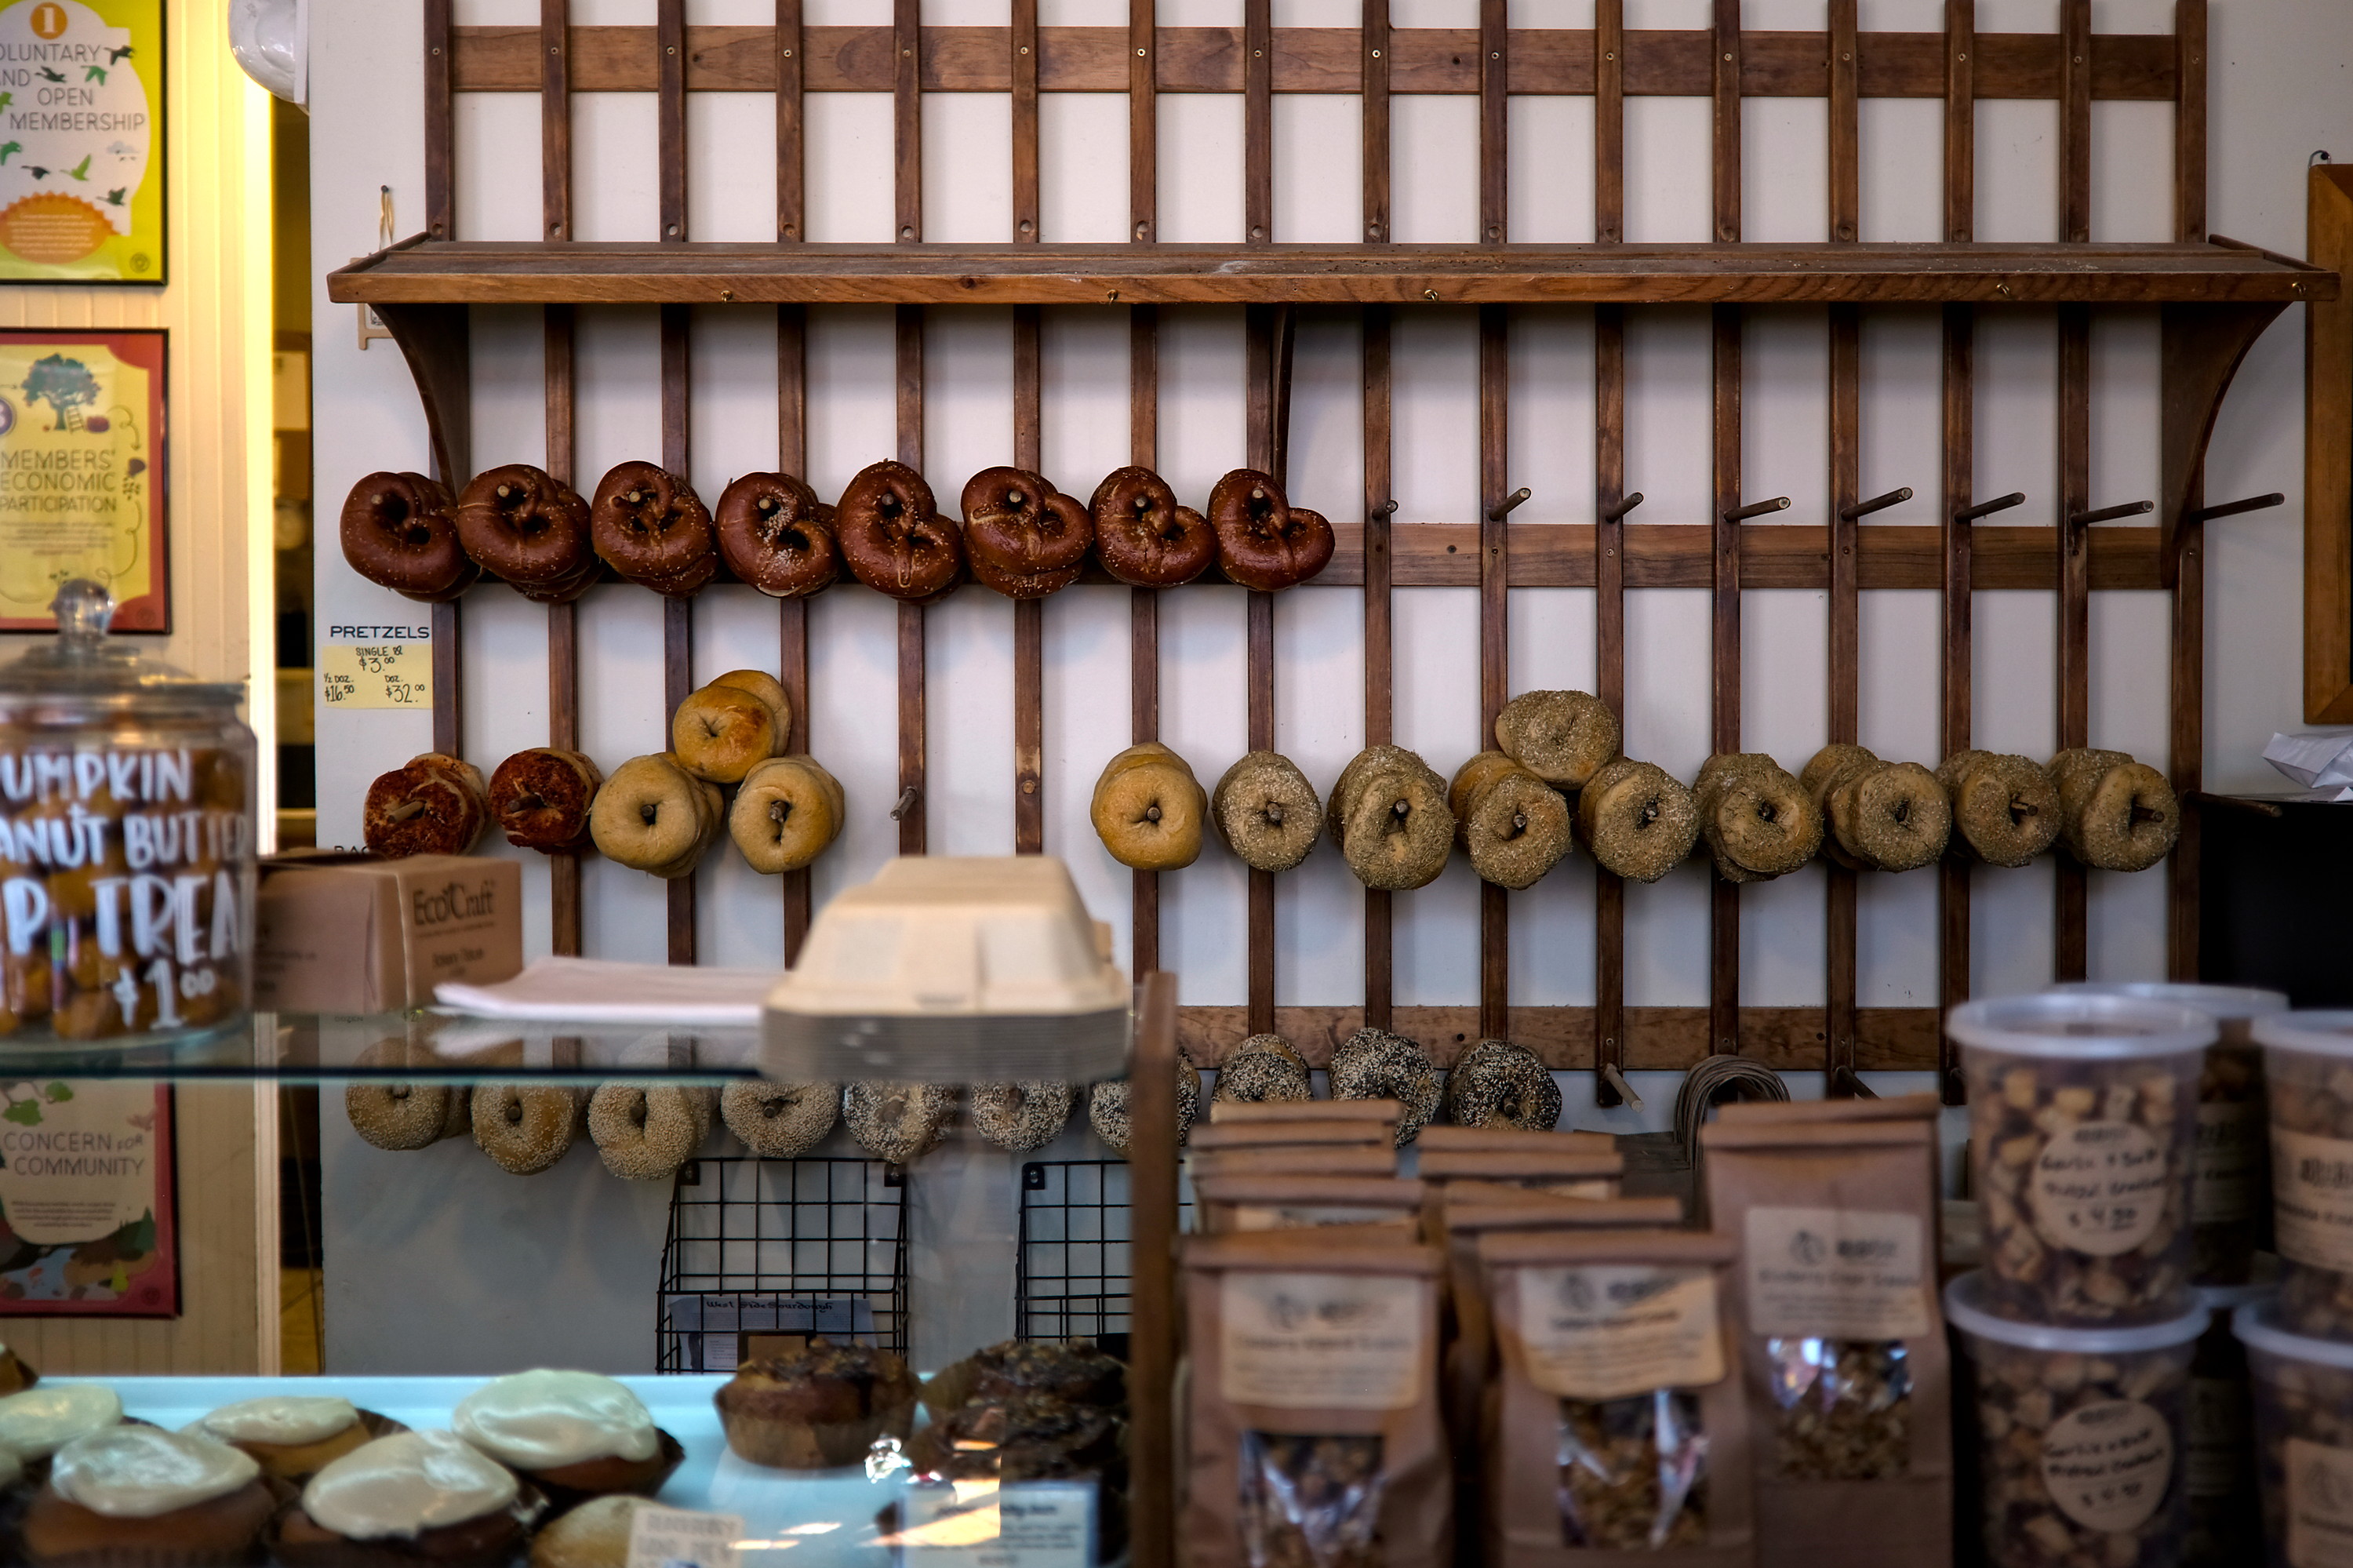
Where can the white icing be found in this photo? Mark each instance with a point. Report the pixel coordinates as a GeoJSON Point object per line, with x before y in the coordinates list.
{"type": "Point", "coordinates": [38, 1421]}
{"type": "Point", "coordinates": [279, 1418]}
{"type": "Point", "coordinates": [141, 1472]}
{"type": "Point", "coordinates": [545, 1420]}
{"type": "Point", "coordinates": [406, 1484]}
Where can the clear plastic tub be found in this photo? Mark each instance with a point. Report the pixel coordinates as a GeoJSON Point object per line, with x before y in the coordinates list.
{"type": "Point", "coordinates": [2303, 1438]}
{"type": "Point", "coordinates": [2308, 1063]}
{"type": "Point", "coordinates": [2231, 1191]}
{"type": "Point", "coordinates": [2083, 1436]}
{"type": "Point", "coordinates": [2225, 1498]}
{"type": "Point", "coordinates": [2083, 1133]}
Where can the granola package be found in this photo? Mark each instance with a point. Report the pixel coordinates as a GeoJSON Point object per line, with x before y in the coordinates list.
{"type": "Point", "coordinates": [1513, 1139]}
{"type": "Point", "coordinates": [1388, 1111]}
{"type": "Point", "coordinates": [1616, 1433]}
{"type": "Point", "coordinates": [1312, 1159]}
{"type": "Point", "coordinates": [1231, 1203]}
{"type": "Point", "coordinates": [1841, 1343]}
{"type": "Point", "coordinates": [1356, 1132]}
{"type": "Point", "coordinates": [1312, 1433]}
{"type": "Point", "coordinates": [2226, 1515]}
{"type": "Point", "coordinates": [1552, 1174]}
{"type": "Point", "coordinates": [2304, 1436]}
{"type": "Point", "coordinates": [2308, 1062]}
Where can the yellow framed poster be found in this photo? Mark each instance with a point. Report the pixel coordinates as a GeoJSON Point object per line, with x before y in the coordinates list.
{"type": "Point", "coordinates": [82, 141]}
{"type": "Point", "coordinates": [82, 450]}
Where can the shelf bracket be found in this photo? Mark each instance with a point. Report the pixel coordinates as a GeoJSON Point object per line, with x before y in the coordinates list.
{"type": "Point", "coordinates": [2202, 347]}
{"type": "Point", "coordinates": [436, 341]}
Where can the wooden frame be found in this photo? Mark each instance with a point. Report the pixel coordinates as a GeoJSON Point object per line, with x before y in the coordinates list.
{"type": "Point", "coordinates": [2329, 460]}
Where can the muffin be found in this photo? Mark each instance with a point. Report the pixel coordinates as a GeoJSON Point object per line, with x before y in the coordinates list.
{"type": "Point", "coordinates": [573, 1434]}
{"type": "Point", "coordinates": [139, 1494]}
{"type": "Point", "coordinates": [413, 1497]}
{"type": "Point", "coordinates": [293, 1435]}
{"type": "Point", "coordinates": [37, 1422]}
{"type": "Point", "coordinates": [1024, 1438]}
{"type": "Point", "coordinates": [594, 1535]}
{"type": "Point", "coordinates": [817, 1407]}
{"type": "Point", "coordinates": [1074, 1370]}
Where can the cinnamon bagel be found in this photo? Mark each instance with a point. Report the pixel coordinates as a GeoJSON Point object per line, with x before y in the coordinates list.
{"type": "Point", "coordinates": [1025, 539]}
{"type": "Point", "coordinates": [1264, 542]}
{"type": "Point", "coordinates": [788, 811]}
{"type": "Point", "coordinates": [1512, 824]}
{"type": "Point", "coordinates": [891, 534]}
{"type": "Point", "coordinates": [2116, 814]}
{"type": "Point", "coordinates": [1142, 537]}
{"type": "Point", "coordinates": [1636, 820]}
{"type": "Point", "coordinates": [652, 815]}
{"type": "Point", "coordinates": [1756, 820]}
{"type": "Point", "coordinates": [775, 533]}
{"type": "Point", "coordinates": [431, 804]}
{"type": "Point", "coordinates": [540, 799]}
{"type": "Point", "coordinates": [2005, 809]}
{"type": "Point", "coordinates": [529, 529]}
{"type": "Point", "coordinates": [1147, 809]}
{"type": "Point", "coordinates": [1388, 814]}
{"type": "Point", "coordinates": [1562, 737]}
{"type": "Point", "coordinates": [399, 531]}
{"type": "Point", "coordinates": [1267, 812]}
{"type": "Point", "coordinates": [649, 526]}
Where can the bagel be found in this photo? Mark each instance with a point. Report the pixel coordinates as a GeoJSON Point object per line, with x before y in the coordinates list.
{"type": "Point", "coordinates": [1262, 1068]}
{"type": "Point", "coordinates": [1021, 1117]}
{"type": "Point", "coordinates": [526, 1128]}
{"type": "Point", "coordinates": [897, 1123]}
{"type": "Point", "coordinates": [2005, 809]}
{"type": "Point", "coordinates": [1024, 539]}
{"type": "Point", "coordinates": [2114, 814]}
{"type": "Point", "coordinates": [1562, 737]}
{"type": "Point", "coordinates": [1108, 1105]}
{"type": "Point", "coordinates": [893, 538]}
{"type": "Point", "coordinates": [1388, 813]}
{"type": "Point", "coordinates": [644, 1132]}
{"type": "Point", "coordinates": [721, 732]}
{"type": "Point", "coordinates": [775, 533]}
{"type": "Point", "coordinates": [1147, 809]}
{"type": "Point", "coordinates": [789, 812]}
{"type": "Point", "coordinates": [1267, 812]}
{"type": "Point", "coordinates": [780, 1122]}
{"type": "Point", "coordinates": [652, 815]}
{"type": "Point", "coordinates": [1375, 1065]}
{"type": "Point", "coordinates": [399, 531]}
{"type": "Point", "coordinates": [1757, 820]}
{"type": "Point", "coordinates": [401, 1117]}
{"type": "Point", "coordinates": [1636, 820]}
{"type": "Point", "coordinates": [1498, 1084]}
{"type": "Point", "coordinates": [1877, 816]}
{"type": "Point", "coordinates": [765, 687]}
{"type": "Point", "coordinates": [1264, 542]}
{"type": "Point", "coordinates": [1142, 537]}
{"type": "Point", "coordinates": [540, 799]}
{"type": "Point", "coordinates": [530, 529]}
{"type": "Point", "coordinates": [1514, 825]}
{"type": "Point", "coordinates": [431, 804]}
{"type": "Point", "coordinates": [647, 525]}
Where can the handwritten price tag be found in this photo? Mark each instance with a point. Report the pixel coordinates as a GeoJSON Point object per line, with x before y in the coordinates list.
{"type": "Point", "coordinates": [377, 675]}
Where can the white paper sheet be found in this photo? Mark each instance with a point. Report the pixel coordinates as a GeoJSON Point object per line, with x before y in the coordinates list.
{"type": "Point", "coordinates": [600, 990]}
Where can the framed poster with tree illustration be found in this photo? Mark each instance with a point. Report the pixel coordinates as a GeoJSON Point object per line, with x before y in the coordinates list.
{"type": "Point", "coordinates": [89, 1226]}
{"type": "Point", "coordinates": [82, 141]}
{"type": "Point", "coordinates": [82, 487]}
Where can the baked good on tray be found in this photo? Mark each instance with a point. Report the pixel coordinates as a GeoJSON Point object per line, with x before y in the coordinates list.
{"type": "Point", "coordinates": [138, 1494]}
{"type": "Point", "coordinates": [411, 1498]}
{"type": "Point", "coordinates": [37, 1422]}
{"type": "Point", "coordinates": [293, 1437]}
{"type": "Point", "coordinates": [817, 1407]}
{"type": "Point", "coordinates": [573, 1435]}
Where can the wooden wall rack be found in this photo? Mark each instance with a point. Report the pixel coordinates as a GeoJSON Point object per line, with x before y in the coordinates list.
{"type": "Point", "coordinates": [2213, 297]}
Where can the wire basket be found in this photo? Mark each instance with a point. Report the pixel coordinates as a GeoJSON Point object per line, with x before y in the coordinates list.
{"type": "Point", "coordinates": [782, 1249]}
{"type": "Point", "coordinates": [1072, 1270]}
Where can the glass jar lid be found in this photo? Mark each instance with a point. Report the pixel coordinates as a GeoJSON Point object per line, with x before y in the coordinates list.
{"type": "Point", "coordinates": [83, 664]}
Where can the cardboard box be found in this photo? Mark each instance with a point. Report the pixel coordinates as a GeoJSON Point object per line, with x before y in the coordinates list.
{"type": "Point", "coordinates": [354, 934]}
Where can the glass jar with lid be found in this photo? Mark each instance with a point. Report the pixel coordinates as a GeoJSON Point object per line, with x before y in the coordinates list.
{"type": "Point", "coordinates": [127, 845]}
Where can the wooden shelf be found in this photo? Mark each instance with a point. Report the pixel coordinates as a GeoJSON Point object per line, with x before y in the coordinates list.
{"type": "Point", "coordinates": [429, 273]}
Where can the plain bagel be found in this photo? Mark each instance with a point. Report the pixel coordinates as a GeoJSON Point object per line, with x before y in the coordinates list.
{"type": "Point", "coordinates": [789, 812]}
{"type": "Point", "coordinates": [1147, 809]}
{"type": "Point", "coordinates": [652, 815]}
{"type": "Point", "coordinates": [780, 1122]}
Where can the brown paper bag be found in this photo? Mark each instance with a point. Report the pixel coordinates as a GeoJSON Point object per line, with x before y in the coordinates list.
{"type": "Point", "coordinates": [1615, 1433]}
{"type": "Point", "coordinates": [1226, 1204]}
{"type": "Point", "coordinates": [1315, 1159]}
{"type": "Point", "coordinates": [1842, 1342]}
{"type": "Point", "coordinates": [1551, 1172]}
{"type": "Point", "coordinates": [1293, 1134]}
{"type": "Point", "coordinates": [1389, 1111]}
{"type": "Point", "coordinates": [1312, 1434]}
{"type": "Point", "coordinates": [1499, 1140]}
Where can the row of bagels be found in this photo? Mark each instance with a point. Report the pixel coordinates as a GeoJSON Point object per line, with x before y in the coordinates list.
{"type": "Point", "coordinates": [1018, 535]}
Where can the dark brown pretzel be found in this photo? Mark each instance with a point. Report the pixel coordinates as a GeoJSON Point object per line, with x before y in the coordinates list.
{"type": "Point", "coordinates": [775, 533]}
{"type": "Point", "coordinates": [526, 527]}
{"type": "Point", "coordinates": [1026, 541]}
{"type": "Point", "coordinates": [893, 538]}
{"type": "Point", "coordinates": [398, 531]}
{"type": "Point", "coordinates": [652, 528]}
{"type": "Point", "coordinates": [540, 798]}
{"type": "Point", "coordinates": [430, 805]}
{"type": "Point", "coordinates": [1142, 536]}
{"type": "Point", "coordinates": [1264, 542]}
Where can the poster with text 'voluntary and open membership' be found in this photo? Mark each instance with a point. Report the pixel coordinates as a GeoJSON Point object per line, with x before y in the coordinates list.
{"type": "Point", "coordinates": [82, 141]}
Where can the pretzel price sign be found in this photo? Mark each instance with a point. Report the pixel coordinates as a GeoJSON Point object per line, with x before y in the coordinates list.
{"type": "Point", "coordinates": [377, 667]}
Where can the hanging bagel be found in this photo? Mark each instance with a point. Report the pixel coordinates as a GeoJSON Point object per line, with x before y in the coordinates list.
{"type": "Point", "coordinates": [1876, 816]}
{"type": "Point", "coordinates": [652, 815]}
{"type": "Point", "coordinates": [1757, 820]}
{"type": "Point", "coordinates": [775, 533]}
{"type": "Point", "coordinates": [399, 531]}
{"type": "Point", "coordinates": [1025, 539]}
{"type": "Point", "coordinates": [780, 1122]}
{"type": "Point", "coordinates": [1375, 1065]}
{"type": "Point", "coordinates": [644, 1132]}
{"type": "Point", "coordinates": [1267, 812]}
{"type": "Point", "coordinates": [1388, 814]}
{"type": "Point", "coordinates": [526, 1128]}
{"type": "Point", "coordinates": [722, 732]}
{"type": "Point", "coordinates": [2114, 814]}
{"type": "Point", "coordinates": [898, 1122]}
{"type": "Point", "coordinates": [540, 799]}
{"type": "Point", "coordinates": [647, 525]}
{"type": "Point", "coordinates": [530, 529]}
{"type": "Point", "coordinates": [1021, 1117]}
{"type": "Point", "coordinates": [1147, 809]}
{"type": "Point", "coordinates": [1636, 820]}
{"type": "Point", "coordinates": [787, 814]}
{"type": "Point", "coordinates": [1514, 825]}
{"type": "Point", "coordinates": [402, 1117]}
{"type": "Point", "coordinates": [1264, 542]}
{"type": "Point", "coordinates": [1108, 1104]}
{"type": "Point", "coordinates": [892, 536]}
{"type": "Point", "coordinates": [2005, 809]}
{"type": "Point", "coordinates": [1262, 1068]}
{"type": "Point", "coordinates": [431, 804]}
{"type": "Point", "coordinates": [768, 689]}
{"type": "Point", "coordinates": [1562, 737]}
{"type": "Point", "coordinates": [1498, 1084]}
{"type": "Point", "coordinates": [1142, 537]}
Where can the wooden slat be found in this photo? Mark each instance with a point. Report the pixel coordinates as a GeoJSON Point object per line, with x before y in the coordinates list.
{"type": "Point", "coordinates": [448, 681]}
{"type": "Point", "coordinates": [792, 424]}
{"type": "Point", "coordinates": [1142, 58]}
{"type": "Point", "coordinates": [907, 119]}
{"type": "Point", "coordinates": [1257, 122]}
{"type": "Point", "coordinates": [678, 614]}
{"type": "Point", "coordinates": [1723, 926]}
{"type": "Point", "coordinates": [1845, 666]}
{"type": "Point", "coordinates": [790, 59]}
{"type": "Point", "coordinates": [1379, 628]}
{"type": "Point", "coordinates": [441, 129]}
{"type": "Point", "coordinates": [1956, 701]}
{"type": "Point", "coordinates": [556, 118]}
{"type": "Point", "coordinates": [1610, 664]}
{"type": "Point", "coordinates": [1153, 1308]}
{"type": "Point", "coordinates": [912, 734]}
{"type": "Point", "coordinates": [1495, 618]}
{"type": "Point", "coordinates": [1846, 126]}
{"type": "Point", "coordinates": [1261, 362]}
{"type": "Point", "coordinates": [556, 326]}
{"type": "Point", "coordinates": [2075, 120]}
{"type": "Point", "coordinates": [2189, 119]}
{"type": "Point", "coordinates": [1024, 64]}
{"type": "Point", "coordinates": [1373, 102]}
{"type": "Point", "coordinates": [1494, 122]}
{"type": "Point", "coordinates": [1609, 122]}
{"type": "Point", "coordinates": [2074, 678]}
{"type": "Point", "coordinates": [669, 28]}
{"type": "Point", "coordinates": [1144, 604]}
{"type": "Point", "coordinates": [2187, 746]}
{"type": "Point", "coordinates": [1960, 71]}
{"type": "Point", "coordinates": [1029, 614]}
{"type": "Point", "coordinates": [1724, 82]}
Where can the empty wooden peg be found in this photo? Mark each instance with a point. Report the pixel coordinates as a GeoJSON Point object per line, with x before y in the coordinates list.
{"type": "Point", "coordinates": [2232, 508]}
{"type": "Point", "coordinates": [1757, 509]}
{"type": "Point", "coordinates": [1624, 505]}
{"type": "Point", "coordinates": [2110, 514]}
{"type": "Point", "coordinates": [1506, 506]}
{"type": "Point", "coordinates": [1988, 508]}
{"type": "Point", "coordinates": [1876, 503]}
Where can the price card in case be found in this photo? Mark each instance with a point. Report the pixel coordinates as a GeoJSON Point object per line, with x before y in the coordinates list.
{"type": "Point", "coordinates": [377, 675]}
{"type": "Point", "coordinates": [1030, 1524]}
{"type": "Point", "coordinates": [682, 1538]}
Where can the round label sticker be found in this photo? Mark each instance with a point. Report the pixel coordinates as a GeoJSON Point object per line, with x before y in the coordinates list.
{"type": "Point", "coordinates": [2099, 1188]}
{"type": "Point", "coordinates": [2107, 1464]}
